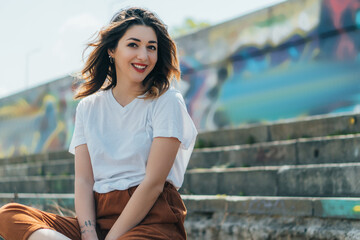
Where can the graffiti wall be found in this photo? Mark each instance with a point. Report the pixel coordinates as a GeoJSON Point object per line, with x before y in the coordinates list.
{"type": "Point", "coordinates": [40, 119]}
{"type": "Point", "coordinates": [298, 58]}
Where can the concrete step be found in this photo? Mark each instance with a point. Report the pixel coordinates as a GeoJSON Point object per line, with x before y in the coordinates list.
{"type": "Point", "coordinates": [36, 158]}
{"type": "Point", "coordinates": [59, 203]}
{"type": "Point", "coordinates": [37, 184]}
{"type": "Point", "coordinates": [318, 180]}
{"type": "Point", "coordinates": [344, 208]}
{"type": "Point", "coordinates": [332, 149]}
{"type": "Point", "coordinates": [335, 149]}
{"type": "Point", "coordinates": [242, 217]}
{"type": "Point", "coordinates": [63, 167]}
{"type": "Point", "coordinates": [233, 217]}
{"type": "Point", "coordinates": [318, 126]}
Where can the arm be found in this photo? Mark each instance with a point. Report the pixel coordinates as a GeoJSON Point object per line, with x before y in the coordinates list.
{"type": "Point", "coordinates": [84, 198]}
{"type": "Point", "coordinates": [161, 158]}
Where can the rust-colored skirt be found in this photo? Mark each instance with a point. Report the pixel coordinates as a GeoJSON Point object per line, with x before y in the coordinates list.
{"type": "Point", "coordinates": [165, 220]}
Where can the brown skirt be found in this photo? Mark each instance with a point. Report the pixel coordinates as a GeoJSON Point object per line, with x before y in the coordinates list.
{"type": "Point", "coordinates": [165, 220]}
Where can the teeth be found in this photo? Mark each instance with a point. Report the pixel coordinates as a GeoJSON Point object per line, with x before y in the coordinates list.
{"type": "Point", "coordinates": [138, 66]}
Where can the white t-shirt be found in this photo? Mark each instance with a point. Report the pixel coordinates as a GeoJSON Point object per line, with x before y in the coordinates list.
{"type": "Point", "coordinates": [119, 138]}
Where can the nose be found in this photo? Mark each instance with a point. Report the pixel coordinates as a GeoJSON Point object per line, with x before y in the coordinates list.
{"type": "Point", "coordinates": [142, 53]}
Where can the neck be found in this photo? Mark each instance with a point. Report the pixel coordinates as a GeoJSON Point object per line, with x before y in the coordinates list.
{"type": "Point", "coordinates": [125, 94]}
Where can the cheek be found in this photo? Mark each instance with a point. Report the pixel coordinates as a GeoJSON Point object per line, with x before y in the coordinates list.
{"type": "Point", "coordinates": [154, 59]}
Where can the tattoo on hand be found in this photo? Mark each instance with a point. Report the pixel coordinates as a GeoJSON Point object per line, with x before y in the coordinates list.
{"type": "Point", "coordinates": [88, 227]}
{"type": "Point", "coordinates": [88, 223]}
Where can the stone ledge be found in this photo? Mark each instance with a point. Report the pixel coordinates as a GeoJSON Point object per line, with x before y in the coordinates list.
{"type": "Point", "coordinates": [63, 167]}
{"type": "Point", "coordinates": [37, 157]}
{"type": "Point", "coordinates": [341, 208]}
{"type": "Point", "coordinates": [344, 208]}
{"type": "Point", "coordinates": [316, 180]}
{"type": "Point", "coordinates": [314, 126]}
{"type": "Point", "coordinates": [316, 150]}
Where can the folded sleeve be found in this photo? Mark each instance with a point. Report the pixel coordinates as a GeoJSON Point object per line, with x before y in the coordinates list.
{"type": "Point", "coordinates": [78, 137]}
{"type": "Point", "coordinates": [171, 119]}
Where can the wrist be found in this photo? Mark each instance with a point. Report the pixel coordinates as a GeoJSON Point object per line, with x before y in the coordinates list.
{"type": "Point", "coordinates": [88, 230]}
{"type": "Point", "coordinates": [89, 234]}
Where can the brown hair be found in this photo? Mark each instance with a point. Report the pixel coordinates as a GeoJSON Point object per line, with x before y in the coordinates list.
{"type": "Point", "coordinates": [98, 67]}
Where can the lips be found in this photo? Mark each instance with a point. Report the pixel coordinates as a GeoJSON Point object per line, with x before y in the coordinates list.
{"type": "Point", "coordinates": [139, 67]}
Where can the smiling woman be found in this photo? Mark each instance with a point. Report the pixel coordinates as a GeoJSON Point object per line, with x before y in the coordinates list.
{"type": "Point", "coordinates": [99, 66]}
{"type": "Point", "coordinates": [134, 57]}
{"type": "Point", "coordinates": [132, 142]}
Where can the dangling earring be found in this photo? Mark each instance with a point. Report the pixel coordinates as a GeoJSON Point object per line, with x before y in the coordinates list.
{"type": "Point", "coordinates": [111, 59]}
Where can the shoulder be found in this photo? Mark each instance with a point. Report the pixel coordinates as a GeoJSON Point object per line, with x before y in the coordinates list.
{"type": "Point", "coordinates": [169, 102]}
{"type": "Point", "coordinates": [172, 94]}
{"type": "Point", "coordinates": [92, 100]}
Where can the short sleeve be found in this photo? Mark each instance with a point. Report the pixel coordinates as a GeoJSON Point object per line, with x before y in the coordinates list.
{"type": "Point", "coordinates": [78, 137]}
{"type": "Point", "coordinates": [171, 119]}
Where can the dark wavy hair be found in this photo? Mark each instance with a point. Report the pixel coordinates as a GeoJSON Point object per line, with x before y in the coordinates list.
{"type": "Point", "coordinates": [98, 67]}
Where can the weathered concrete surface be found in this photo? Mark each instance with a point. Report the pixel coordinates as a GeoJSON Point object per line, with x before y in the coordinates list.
{"type": "Point", "coordinates": [331, 149]}
{"type": "Point", "coordinates": [235, 181]}
{"type": "Point", "coordinates": [233, 217]}
{"type": "Point", "coordinates": [321, 180]}
{"type": "Point", "coordinates": [245, 135]}
{"type": "Point", "coordinates": [47, 168]}
{"type": "Point", "coordinates": [340, 208]}
{"type": "Point", "coordinates": [222, 226]}
{"type": "Point", "coordinates": [282, 206]}
{"type": "Point", "coordinates": [41, 157]}
{"type": "Point", "coordinates": [62, 204]}
{"type": "Point", "coordinates": [335, 149]}
{"type": "Point", "coordinates": [37, 184]}
{"type": "Point", "coordinates": [261, 154]}
{"type": "Point", "coordinates": [337, 208]}
{"type": "Point", "coordinates": [317, 126]}
{"type": "Point", "coordinates": [318, 180]}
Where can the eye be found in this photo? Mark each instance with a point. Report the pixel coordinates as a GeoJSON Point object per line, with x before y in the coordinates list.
{"type": "Point", "coordinates": [152, 47]}
{"type": "Point", "coordinates": [132, 45]}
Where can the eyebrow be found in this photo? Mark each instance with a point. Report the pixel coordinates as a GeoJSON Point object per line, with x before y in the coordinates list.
{"type": "Point", "coordinates": [138, 40]}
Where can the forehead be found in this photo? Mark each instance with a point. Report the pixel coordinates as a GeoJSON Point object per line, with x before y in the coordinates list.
{"type": "Point", "coordinates": [141, 32]}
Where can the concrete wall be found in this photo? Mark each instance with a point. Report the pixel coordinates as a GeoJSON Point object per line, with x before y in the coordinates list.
{"type": "Point", "coordinates": [298, 58]}
{"type": "Point", "coordinates": [294, 59]}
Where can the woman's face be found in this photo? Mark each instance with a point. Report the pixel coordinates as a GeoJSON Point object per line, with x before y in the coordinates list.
{"type": "Point", "coordinates": [136, 54]}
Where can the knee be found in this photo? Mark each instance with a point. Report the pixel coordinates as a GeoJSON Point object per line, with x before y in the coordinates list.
{"type": "Point", "coordinates": [8, 209]}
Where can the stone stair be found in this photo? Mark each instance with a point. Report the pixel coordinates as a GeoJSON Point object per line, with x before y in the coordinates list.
{"type": "Point", "coordinates": [294, 179]}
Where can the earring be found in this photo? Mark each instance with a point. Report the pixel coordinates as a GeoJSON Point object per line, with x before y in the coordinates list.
{"type": "Point", "coordinates": [111, 59]}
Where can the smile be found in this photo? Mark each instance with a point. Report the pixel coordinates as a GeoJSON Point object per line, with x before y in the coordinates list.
{"type": "Point", "coordinates": [139, 67]}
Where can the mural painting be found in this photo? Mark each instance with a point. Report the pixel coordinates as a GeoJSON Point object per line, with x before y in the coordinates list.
{"type": "Point", "coordinates": [297, 58]}
{"type": "Point", "coordinates": [37, 120]}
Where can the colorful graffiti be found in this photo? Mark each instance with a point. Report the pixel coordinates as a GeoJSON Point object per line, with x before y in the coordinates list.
{"type": "Point", "coordinates": [298, 58]}
{"type": "Point", "coordinates": [37, 120]}
{"type": "Point", "coordinates": [340, 208]}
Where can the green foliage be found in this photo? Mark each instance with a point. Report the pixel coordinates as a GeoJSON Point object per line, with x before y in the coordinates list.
{"type": "Point", "coordinates": [250, 140]}
{"type": "Point", "coordinates": [201, 143]}
{"type": "Point", "coordinates": [188, 26]}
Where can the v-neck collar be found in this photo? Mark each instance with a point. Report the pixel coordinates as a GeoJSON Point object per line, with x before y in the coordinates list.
{"type": "Point", "coordinates": [117, 105]}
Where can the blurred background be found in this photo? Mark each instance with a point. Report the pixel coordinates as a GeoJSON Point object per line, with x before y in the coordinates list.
{"type": "Point", "coordinates": [242, 62]}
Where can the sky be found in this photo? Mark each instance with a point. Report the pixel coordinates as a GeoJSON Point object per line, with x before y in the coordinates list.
{"type": "Point", "coordinates": [43, 40]}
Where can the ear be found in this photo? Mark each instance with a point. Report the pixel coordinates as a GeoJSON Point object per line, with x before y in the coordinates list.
{"type": "Point", "coordinates": [111, 52]}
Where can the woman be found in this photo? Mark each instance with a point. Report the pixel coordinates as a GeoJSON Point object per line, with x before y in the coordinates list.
{"type": "Point", "coordinates": [132, 141]}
